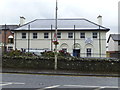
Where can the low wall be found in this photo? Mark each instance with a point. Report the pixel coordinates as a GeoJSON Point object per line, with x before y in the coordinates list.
{"type": "Point", "coordinates": [82, 65]}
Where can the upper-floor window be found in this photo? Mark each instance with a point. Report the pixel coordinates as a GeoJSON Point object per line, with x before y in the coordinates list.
{"type": "Point", "coordinates": [70, 35]}
{"type": "Point", "coordinates": [94, 34]}
{"type": "Point", "coordinates": [118, 42]}
{"type": "Point", "coordinates": [82, 35]}
{"type": "Point", "coordinates": [59, 35]}
{"type": "Point", "coordinates": [34, 35]}
{"type": "Point", "coordinates": [23, 35]}
{"type": "Point", "coordinates": [46, 35]}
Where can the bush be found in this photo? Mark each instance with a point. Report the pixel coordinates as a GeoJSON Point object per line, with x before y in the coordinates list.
{"type": "Point", "coordinates": [60, 54]}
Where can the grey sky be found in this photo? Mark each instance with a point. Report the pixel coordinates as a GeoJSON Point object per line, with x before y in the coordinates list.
{"type": "Point", "coordinates": [11, 10]}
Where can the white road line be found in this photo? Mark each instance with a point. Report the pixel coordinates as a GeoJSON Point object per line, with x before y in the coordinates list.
{"type": "Point", "coordinates": [51, 87]}
{"type": "Point", "coordinates": [5, 84]}
{"type": "Point", "coordinates": [85, 86]}
{"type": "Point", "coordinates": [81, 86]}
{"type": "Point", "coordinates": [8, 83]}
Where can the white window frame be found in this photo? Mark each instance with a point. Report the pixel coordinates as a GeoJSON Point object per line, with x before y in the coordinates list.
{"type": "Point", "coordinates": [82, 35]}
{"type": "Point", "coordinates": [95, 35]}
{"type": "Point", "coordinates": [24, 36]}
{"type": "Point", "coordinates": [59, 35]}
{"type": "Point", "coordinates": [70, 34]}
{"type": "Point", "coordinates": [64, 49]}
{"type": "Point", "coordinates": [46, 35]}
{"type": "Point", "coordinates": [88, 52]}
{"type": "Point", "coordinates": [10, 48]}
{"type": "Point", "coordinates": [35, 36]}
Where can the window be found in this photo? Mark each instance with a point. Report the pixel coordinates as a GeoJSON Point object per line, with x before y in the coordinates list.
{"type": "Point", "coordinates": [118, 42]}
{"type": "Point", "coordinates": [88, 50]}
{"type": "Point", "coordinates": [70, 35]}
{"type": "Point", "coordinates": [82, 35]}
{"type": "Point", "coordinates": [94, 34]}
{"type": "Point", "coordinates": [23, 35]}
{"type": "Point", "coordinates": [10, 40]}
{"type": "Point", "coordinates": [59, 35]}
{"type": "Point", "coordinates": [0, 32]}
{"type": "Point", "coordinates": [10, 48]}
{"type": "Point", "coordinates": [34, 35]}
{"type": "Point", "coordinates": [46, 35]}
{"type": "Point", "coordinates": [64, 49]}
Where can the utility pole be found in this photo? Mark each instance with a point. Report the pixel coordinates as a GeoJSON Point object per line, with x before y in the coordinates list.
{"type": "Point", "coordinates": [28, 38]}
{"type": "Point", "coordinates": [56, 37]}
{"type": "Point", "coordinates": [99, 42]}
{"type": "Point", "coordinates": [5, 38]}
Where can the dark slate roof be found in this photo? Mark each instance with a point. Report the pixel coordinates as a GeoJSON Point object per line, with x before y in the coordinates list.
{"type": "Point", "coordinates": [62, 24]}
{"type": "Point", "coordinates": [115, 37]}
{"type": "Point", "coordinates": [8, 27]}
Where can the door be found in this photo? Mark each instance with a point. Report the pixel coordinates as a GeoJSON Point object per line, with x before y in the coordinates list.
{"type": "Point", "coordinates": [76, 52]}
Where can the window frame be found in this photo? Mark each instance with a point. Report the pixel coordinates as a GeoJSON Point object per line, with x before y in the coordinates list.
{"type": "Point", "coordinates": [59, 35]}
{"type": "Point", "coordinates": [95, 34]}
{"type": "Point", "coordinates": [23, 36]}
{"type": "Point", "coordinates": [82, 36]}
{"type": "Point", "coordinates": [35, 35]}
{"type": "Point", "coordinates": [64, 49]}
{"type": "Point", "coordinates": [88, 52]}
{"type": "Point", "coordinates": [10, 48]}
{"type": "Point", "coordinates": [46, 35]}
{"type": "Point", "coordinates": [70, 36]}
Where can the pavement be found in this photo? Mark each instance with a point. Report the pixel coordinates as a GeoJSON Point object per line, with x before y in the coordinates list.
{"type": "Point", "coordinates": [57, 72]}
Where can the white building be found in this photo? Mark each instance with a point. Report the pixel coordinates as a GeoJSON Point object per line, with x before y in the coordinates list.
{"type": "Point", "coordinates": [114, 45]}
{"type": "Point", "coordinates": [80, 37]}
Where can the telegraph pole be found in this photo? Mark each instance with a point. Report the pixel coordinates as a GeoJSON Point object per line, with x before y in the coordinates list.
{"type": "Point", "coordinates": [28, 38]}
{"type": "Point", "coordinates": [56, 37]}
{"type": "Point", "coordinates": [5, 38]}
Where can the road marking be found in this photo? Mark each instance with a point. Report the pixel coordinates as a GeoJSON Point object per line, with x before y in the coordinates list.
{"type": "Point", "coordinates": [81, 86]}
{"type": "Point", "coordinates": [85, 86]}
{"type": "Point", "coordinates": [49, 87]}
{"type": "Point", "coordinates": [9, 83]}
{"type": "Point", "coordinates": [3, 84]}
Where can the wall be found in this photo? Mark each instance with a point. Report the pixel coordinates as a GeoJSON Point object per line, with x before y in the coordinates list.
{"type": "Point", "coordinates": [64, 42]}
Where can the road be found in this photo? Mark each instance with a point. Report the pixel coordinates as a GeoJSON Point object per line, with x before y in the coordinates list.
{"type": "Point", "coordinates": [42, 82]}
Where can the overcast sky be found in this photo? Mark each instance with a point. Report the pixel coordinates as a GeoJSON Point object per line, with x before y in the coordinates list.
{"type": "Point", "coordinates": [11, 10]}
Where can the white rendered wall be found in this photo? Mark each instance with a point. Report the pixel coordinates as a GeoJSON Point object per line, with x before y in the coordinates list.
{"type": "Point", "coordinates": [42, 43]}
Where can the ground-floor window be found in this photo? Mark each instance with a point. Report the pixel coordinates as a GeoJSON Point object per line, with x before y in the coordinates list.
{"type": "Point", "coordinates": [64, 49]}
{"type": "Point", "coordinates": [10, 48]}
{"type": "Point", "coordinates": [88, 52]}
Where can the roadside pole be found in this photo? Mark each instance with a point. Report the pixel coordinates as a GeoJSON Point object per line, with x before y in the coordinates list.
{"type": "Point", "coordinates": [56, 37]}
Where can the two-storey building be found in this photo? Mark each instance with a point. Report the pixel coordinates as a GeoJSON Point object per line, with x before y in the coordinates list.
{"type": "Point", "coordinates": [79, 37]}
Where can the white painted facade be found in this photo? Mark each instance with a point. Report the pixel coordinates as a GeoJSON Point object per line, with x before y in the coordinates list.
{"type": "Point", "coordinates": [64, 42]}
{"type": "Point", "coordinates": [84, 47]}
{"type": "Point", "coordinates": [113, 45]}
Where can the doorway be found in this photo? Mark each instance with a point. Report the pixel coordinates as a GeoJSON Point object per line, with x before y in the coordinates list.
{"type": "Point", "coordinates": [76, 52]}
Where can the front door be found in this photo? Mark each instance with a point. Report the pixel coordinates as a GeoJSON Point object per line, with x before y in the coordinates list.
{"type": "Point", "coordinates": [76, 52]}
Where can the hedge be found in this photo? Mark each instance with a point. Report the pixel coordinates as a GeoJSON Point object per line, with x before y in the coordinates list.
{"type": "Point", "coordinates": [69, 63]}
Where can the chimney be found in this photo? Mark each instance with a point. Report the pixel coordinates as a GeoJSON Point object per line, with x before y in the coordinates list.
{"type": "Point", "coordinates": [22, 21]}
{"type": "Point", "coordinates": [99, 20]}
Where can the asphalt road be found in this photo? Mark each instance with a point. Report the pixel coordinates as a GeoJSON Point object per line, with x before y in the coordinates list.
{"type": "Point", "coordinates": [54, 82]}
